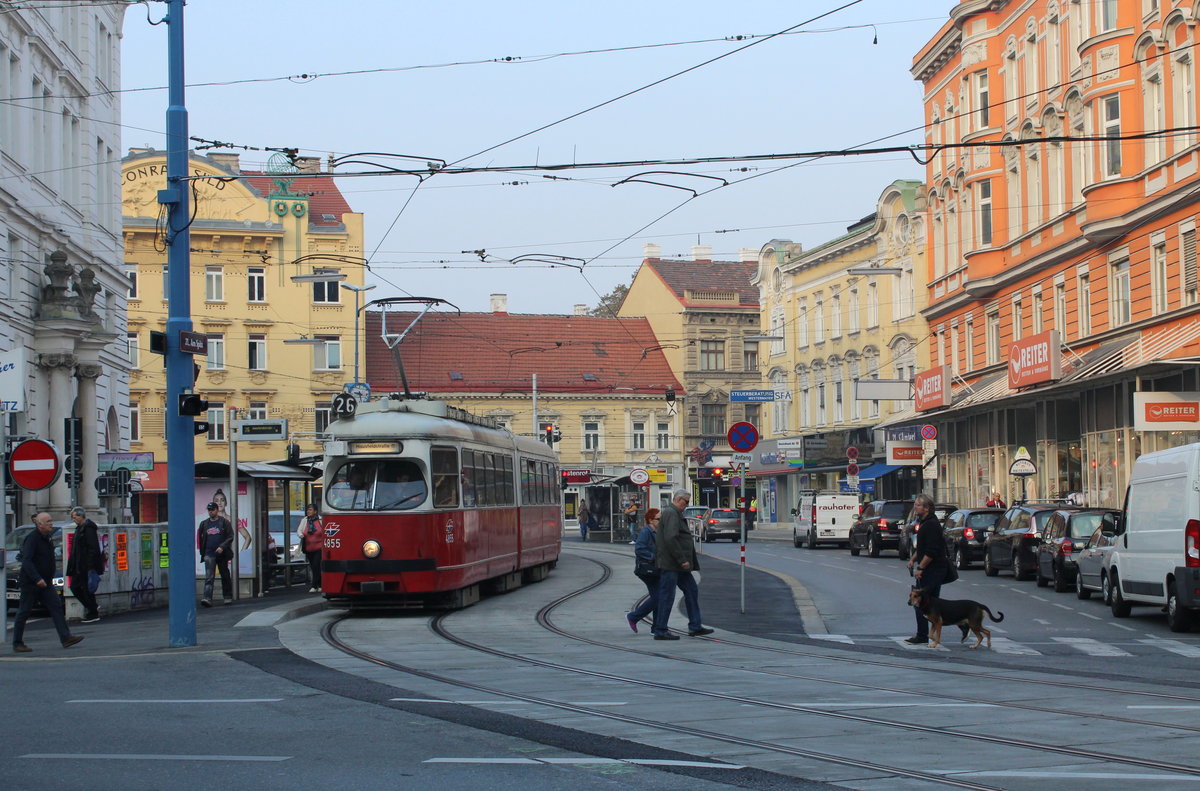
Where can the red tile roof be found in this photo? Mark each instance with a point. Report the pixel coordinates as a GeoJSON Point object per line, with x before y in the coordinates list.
{"type": "Point", "coordinates": [324, 197]}
{"type": "Point", "coordinates": [499, 352]}
{"type": "Point", "coordinates": [681, 276]}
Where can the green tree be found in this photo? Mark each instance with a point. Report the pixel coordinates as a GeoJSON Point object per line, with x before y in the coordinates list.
{"type": "Point", "coordinates": [610, 303]}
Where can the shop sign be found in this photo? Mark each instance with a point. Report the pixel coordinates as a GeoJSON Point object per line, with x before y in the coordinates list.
{"type": "Point", "coordinates": [576, 476]}
{"type": "Point", "coordinates": [1034, 360]}
{"type": "Point", "coordinates": [903, 434]}
{"type": "Point", "coordinates": [784, 444]}
{"type": "Point", "coordinates": [1166, 411]}
{"type": "Point", "coordinates": [657, 474]}
{"type": "Point", "coordinates": [905, 454]}
{"type": "Point", "coordinates": [932, 388]}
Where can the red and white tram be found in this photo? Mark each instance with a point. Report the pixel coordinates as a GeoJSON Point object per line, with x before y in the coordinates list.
{"type": "Point", "coordinates": [426, 504]}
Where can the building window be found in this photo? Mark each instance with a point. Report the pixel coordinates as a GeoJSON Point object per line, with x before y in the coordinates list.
{"type": "Point", "coordinates": [820, 403]}
{"type": "Point", "coordinates": [327, 355]}
{"type": "Point", "coordinates": [133, 349]}
{"type": "Point", "coordinates": [135, 422]}
{"type": "Point", "coordinates": [591, 435]}
{"type": "Point", "coordinates": [752, 414]}
{"type": "Point", "coordinates": [214, 284]}
{"type": "Point", "coordinates": [905, 293]}
{"type": "Point", "coordinates": [802, 325]}
{"type": "Point", "coordinates": [257, 353]}
{"type": "Point", "coordinates": [852, 324]}
{"type": "Point", "coordinates": [328, 292]}
{"type": "Point", "coordinates": [778, 328]}
{"type": "Point", "coordinates": [835, 315]}
{"type": "Point", "coordinates": [1108, 15]}
{"type": "Point", "coordinates": [1119, 307]}
{"type": "Point", "coordinates": [1084, 287]}
{"type": "Point", "coordinates": [818, 321]}
{"type": "Point", "coordinates": [216, 352]}
{"type": "Point", "coordinates": [839, 414]}
{"type": "Point", "coordinates": [712, 420]}
{"type": "Point", "coordinates": [1184, 104]}
{"type": "Point", "coordinates": [1018, 317]}
{"type": "Point", "coordinates": [663, 436]}
{"type": "Point", "coordinates": [1158, 277]}
{"type": "Point", "coordinates": [216, 421]}
{"type": "Point", "coordinates": [322, 416]}
{"type": "Point", "coordinates": [131, 274]}
{"type": "Point", "coordinates": [969, 346]}
{"type": "Point", "coordinates": [993, 337]}
{"type": "Point", "coordinates": [750, 356]}
{"type": "Point", "coordinates": [1111, 107]}
{"type": "Point", "coordinates": [712, 355]}
{"type": "Point", "coordinates": [256, 280]}
{"type": "Point", "coordinates": [639, 435]}
{"type": "Point", "coordinates": [1156, 115]}
{"type": "Point", "coordinates": [1187, 263]}
{"type": "Point", "coordinates": [955, 349]}
{"type": "Point", "coordinates": [1038, 323]}
{"type": "Point", "coordinates": [257, 410]}
{"type": "Point", "coordinates": [982, 101]}
{"type": "Point", "coordinates": [872, 305]}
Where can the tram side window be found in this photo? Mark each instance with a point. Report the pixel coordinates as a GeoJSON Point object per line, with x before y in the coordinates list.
{"type": "Point", "coordinates": [400, 485]}
{"type": "Point", "coordinates": [444, 463]}
{"type": "Point", "coordinates": [504, 469]}
{"type": "Point", "coordinates": [470, 478]}
{"type": "Point", "coordinates": [529, 482]}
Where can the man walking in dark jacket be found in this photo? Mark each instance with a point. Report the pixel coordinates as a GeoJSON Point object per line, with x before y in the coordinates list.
{"type": "Point", "coordinates": [214, 539]}
{"type": "Point", "coordinates": [85, 563]}
{"type": "Point", "coordinates": [676, 557]}
{"type": "Point", "coordinates": [37, 584]}
{"type": "Point", "coordinates": [928, 561]}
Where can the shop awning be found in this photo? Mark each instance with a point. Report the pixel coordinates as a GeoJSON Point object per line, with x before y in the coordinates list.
{"type": "Point", "coordinates": [876, 471]}
{"type": "Point", "coordinates": [254, 469]}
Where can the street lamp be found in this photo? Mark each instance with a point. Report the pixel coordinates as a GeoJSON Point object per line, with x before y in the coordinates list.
{"type": "Point", "coordinates": [358, 290]}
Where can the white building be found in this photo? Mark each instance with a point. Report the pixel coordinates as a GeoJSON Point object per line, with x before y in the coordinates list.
{"type": "Point", "coordinates": [62, 281]}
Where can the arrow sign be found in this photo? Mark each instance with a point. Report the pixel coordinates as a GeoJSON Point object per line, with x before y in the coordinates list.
{"type": "Point", "coordinates": [34, 464]}
{"type": "Point", "coordinates": [742, 437]}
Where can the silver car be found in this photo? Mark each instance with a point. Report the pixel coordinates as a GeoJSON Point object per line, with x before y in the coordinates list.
{"type": "Point", "coordinates": [721, 523]}
{"type": "Point", "coordinates": [1091, 564]}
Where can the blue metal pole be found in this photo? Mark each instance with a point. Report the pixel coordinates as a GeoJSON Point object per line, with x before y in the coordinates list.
{"type": "Point", "coordinates": [181, 449]}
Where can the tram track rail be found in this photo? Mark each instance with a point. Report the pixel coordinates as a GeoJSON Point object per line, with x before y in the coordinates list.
{"type": "Point", "coordinates": [439, 627]}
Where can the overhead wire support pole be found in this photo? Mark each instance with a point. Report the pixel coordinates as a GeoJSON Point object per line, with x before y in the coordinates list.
{"type": "Point", "coordinates": [181, 466]}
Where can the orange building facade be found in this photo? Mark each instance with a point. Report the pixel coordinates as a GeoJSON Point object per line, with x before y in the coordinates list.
{"type": "Point", "coordinates": [1064, 194]}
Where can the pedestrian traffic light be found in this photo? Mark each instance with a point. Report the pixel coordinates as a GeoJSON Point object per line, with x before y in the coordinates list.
{"type": "Point", "coordinates": [200, 427]}
{"type": "Point", "coordinates": [192, 405]}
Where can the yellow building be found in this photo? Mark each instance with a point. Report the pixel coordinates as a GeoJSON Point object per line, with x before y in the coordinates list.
{"type": "Point", "coordinates": [845, 311]}
{"type": "Point", "coordinates": [253, 236]}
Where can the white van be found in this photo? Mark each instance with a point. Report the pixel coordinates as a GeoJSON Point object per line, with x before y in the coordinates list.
{"type": "Point", "coordinates": [1156, 553]}
{"type": "Point", "coordinates": [823, 518]}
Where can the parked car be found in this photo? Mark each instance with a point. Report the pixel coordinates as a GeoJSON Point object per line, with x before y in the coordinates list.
{"type": "Point", "coordinates": [823, 518]}
{"type": "Point", "coordinates": [721, 523]}
{"type": "Point", "coordinates": [1056, 552]}
{"type": "Point", "coordinates": [692, 516]}
{"type": "Point", "coordinates": [908, 535]}
{"type": "Point", "coordinates": [1156, 557]}
{"type": "Point", "coordinates": [966, 531]}
{"type": "Point", "coordinates": [12, 567]}
{"type": "Point", "coordinates": [1091, 562]}
{"type": "Point", "coordinates": [1013, 543]}
{"type": "Point", "coordinates": [878, 526]}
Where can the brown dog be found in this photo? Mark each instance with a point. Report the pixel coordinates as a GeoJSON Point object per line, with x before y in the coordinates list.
{"type": "Point", "coordinates": [963, 613]}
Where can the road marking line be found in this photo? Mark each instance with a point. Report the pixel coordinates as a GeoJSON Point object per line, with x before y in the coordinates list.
{"type": "Point", "coordinates": [917, 646]}
{"type": "Point", "coordinates": [1003, 645]}
{"type": "Point", "coordinates": [835, 638]}
{"type": "Point", "coordinates": [1042, 621]}
{"type": "Point", "coordinates": [1123, 626]}
{"type": "Point", "coordinates": [569, 761]}
{"type": "Point", "coordinates": [1039, 598]}
{"type": "Point", "coordinates": [1091, 647]}
{"type": "Point", "coordinates": [149, 757]}
{"type": "Point", "coordinates": [1175, 647]}
{"type": "Point", "coordinates": [1087, 775]}
{"type": "Point", "coordinates": [1064, 606]}
{"type": "Point", "coordinates": [464, 702]}
{"type": "Point", "coordinates": [176, 700]}
{"type": "Point", "coordinates": [1093, 617]}
{"type": "Point", "coordinates": [892, 704]}
{"type": "Point", "coordinates": [1162, 707]}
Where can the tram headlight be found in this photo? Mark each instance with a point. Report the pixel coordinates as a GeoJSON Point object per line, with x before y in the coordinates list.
{"type": "Point", "coordinates": [371, 548]}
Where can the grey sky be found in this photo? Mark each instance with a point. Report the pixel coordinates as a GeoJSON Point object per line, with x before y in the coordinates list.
{"type": "Point", "coordinates": [810, 91]}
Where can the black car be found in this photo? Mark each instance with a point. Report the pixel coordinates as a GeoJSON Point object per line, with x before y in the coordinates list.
{"type": "Point", "coordinates": [966, 531]}
{"type": "Point", "coordinates": [1013, 543]}
{"type": "Point", "coordinates": [908, 534]}
{"type": "Point", "coordinates": [878, 526]}
{"type": "Point", "coordinates": [1065, 532]}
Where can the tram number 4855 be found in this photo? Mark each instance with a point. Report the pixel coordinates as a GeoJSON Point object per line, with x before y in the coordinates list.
{"type": "Point", "coordinates": [333, 543]}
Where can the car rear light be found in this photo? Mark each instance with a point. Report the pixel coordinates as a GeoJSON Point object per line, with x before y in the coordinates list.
{"type": "Point", "coordinates": [1066, 547]}
{"type": "Point", "coordinates": [883, 524]}
{"type": "Point", "coordinates": [712, 521]}
{"type": "Point", "coordinates": [1191, 544]}
{"type": "Point", "coordinates": [969, 534]}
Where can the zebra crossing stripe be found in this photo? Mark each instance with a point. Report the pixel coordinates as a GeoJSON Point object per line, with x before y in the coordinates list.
{"type": "Point", "coordinates": [833, 638]}
{"type": "Point", "coordinates": [1174, 646]}
{"type": "Point", "coordinates": [1003, 645]}
{"type": "Point", "coordinates": [1091, 647]}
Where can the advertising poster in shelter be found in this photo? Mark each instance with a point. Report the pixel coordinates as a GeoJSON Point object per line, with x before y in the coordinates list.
{"type": "Point", "coordinates": [217, 492]}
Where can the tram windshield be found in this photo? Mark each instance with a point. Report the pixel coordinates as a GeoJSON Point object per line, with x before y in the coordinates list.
{"type": "Point", "coordinates": [377, 485]}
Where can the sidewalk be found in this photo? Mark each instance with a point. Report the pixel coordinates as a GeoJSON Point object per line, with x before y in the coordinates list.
{"type": "Point", "coordinates": [245, 624]}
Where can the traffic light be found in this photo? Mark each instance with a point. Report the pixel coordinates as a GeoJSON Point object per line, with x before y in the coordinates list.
{"type": "Point", "coordinates": [200, 427]}
{"type": "Point", "coordinates": [717, 474]}
{"type": "Point", "coordinates": [551, 434]}
{"type": "Point", "coordinates": [192, 405]}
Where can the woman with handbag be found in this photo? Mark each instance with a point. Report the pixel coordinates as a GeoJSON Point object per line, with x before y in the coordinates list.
{"type": "Point", "coordinates": [312, 532]}
{"type": "Point", "coordinates": [644, 553]}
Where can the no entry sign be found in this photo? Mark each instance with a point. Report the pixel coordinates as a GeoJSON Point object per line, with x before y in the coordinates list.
{"type": "Point", "coordinates": [34, 464]}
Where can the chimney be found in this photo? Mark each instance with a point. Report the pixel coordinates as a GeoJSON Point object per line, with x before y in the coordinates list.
{"type": "Point", "coordinates": [499, 303]}
{"type": "Point", "coordinates": [581, 310]}
{"type": "Point", "coordinates": [701, 252]}
{"type": "Point", "coordinates": [651, 250]}
{"type": "Point", "coordinates": [748, 254]}
{"type": "Point", "coordinates": [308, 164]}
{"type": "Point", "coordinates": [231, 162]}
